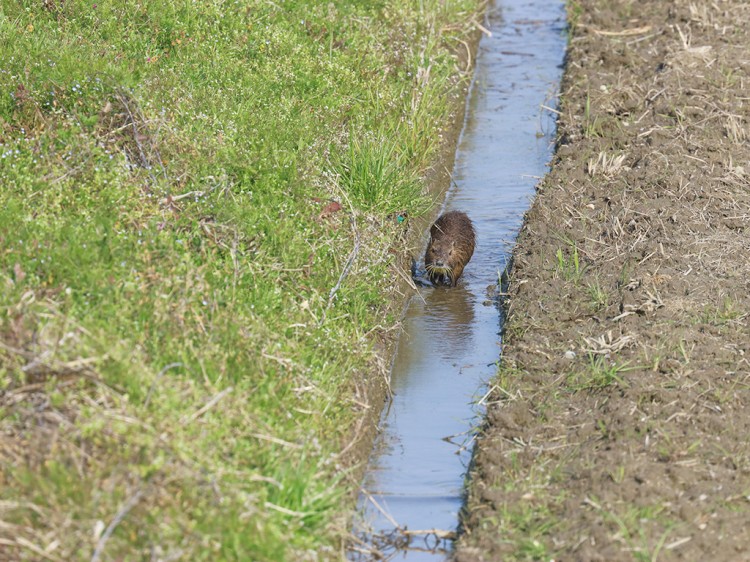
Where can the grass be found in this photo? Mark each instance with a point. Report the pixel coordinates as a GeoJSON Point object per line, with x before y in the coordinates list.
{"type": "Point", "coordinates": [598, 296]}
{"type": "Point", "coordinates": [634, 523]}
{"type": "Point", "coordinates": [722, 315]}
{"type": "Point", "coordinates": [184, 185]}
{"type": "Point", "coordinates": [591, 125]}
{"type": "Point", "coordinates": [599, 373]}
{"type": "Point", "coordinates": [376, 176]}
{"type": "Point", "coordinates": [574, 13]}
{"type": "Point", "coordinates": [525, 520]}
{"type": "Point", "coordinates": [568, 264]}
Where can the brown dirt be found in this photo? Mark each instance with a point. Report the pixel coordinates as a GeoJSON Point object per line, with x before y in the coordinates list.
{"type": "Point", "coordinates": [618, 427]}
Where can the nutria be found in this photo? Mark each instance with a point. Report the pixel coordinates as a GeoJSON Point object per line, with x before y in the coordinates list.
{"type": "Point", "coordinates": [450, 249]}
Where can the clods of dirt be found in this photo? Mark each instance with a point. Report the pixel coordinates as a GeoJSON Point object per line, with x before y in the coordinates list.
{"type": "Point", "coordinates": [619, 423]}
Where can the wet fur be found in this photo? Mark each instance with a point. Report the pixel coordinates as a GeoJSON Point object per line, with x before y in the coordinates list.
{"type": "Point", "coordinates": [451, 246]}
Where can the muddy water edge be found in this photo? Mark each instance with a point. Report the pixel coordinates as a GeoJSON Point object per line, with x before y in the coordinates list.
{"type": "Point", "coordinates": [414, 486]}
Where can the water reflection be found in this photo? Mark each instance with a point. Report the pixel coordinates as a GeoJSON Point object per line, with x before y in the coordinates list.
{"type": "Point", "coordinates": [444, 327]}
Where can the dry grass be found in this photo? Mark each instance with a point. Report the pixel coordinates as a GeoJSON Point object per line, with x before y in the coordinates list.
{"type": "Point", "coordinates": [607, 165]}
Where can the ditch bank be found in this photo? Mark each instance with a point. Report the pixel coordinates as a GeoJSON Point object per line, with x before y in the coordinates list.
{"type": "Point", "coordinates": [616, 428]}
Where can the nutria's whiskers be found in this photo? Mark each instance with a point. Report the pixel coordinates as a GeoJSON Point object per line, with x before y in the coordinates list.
{"type": "Point", "coordinates": [432, 268]}
{"type": "Point", "coordinates": [436, 272]}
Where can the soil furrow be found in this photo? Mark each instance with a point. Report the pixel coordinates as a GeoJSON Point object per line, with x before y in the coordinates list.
{"type": "Point", "coordinates": [618, 424]}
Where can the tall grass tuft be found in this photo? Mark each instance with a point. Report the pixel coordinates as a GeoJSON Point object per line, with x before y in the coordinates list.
{"type": "Point", "coordinates": [377, 177]}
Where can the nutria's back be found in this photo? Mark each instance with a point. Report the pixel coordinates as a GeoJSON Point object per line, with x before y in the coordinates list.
{"type": "Point", "coordinates": [451, 246]}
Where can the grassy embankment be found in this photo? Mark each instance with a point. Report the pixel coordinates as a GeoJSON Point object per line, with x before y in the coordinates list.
{"type": "Point", "coordinates": [184, 185]}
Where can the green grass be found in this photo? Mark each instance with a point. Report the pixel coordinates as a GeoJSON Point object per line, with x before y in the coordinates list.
{"type": "Point", "coordinates": [638, 527]}
{"type": "Point", "coordinates": [722, 315]}
{"type": "Point", "coordinates": [525, 519]}
{"type": "Point", "coordinates": [591, 126]}
{"type": "Point", "coordinates": [376, 176]}
{"type": "Point", "coordinates": [568, 264]}
{"type": "Point", "coordinates": [599, 298]}
{"type": "Point", "coordinates": [599, 373]}
{"type": "Point", "coordinates": [170, 349]}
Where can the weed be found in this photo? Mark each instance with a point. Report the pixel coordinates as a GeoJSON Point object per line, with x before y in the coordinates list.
{"type": "Point", "coordinates": [721, 315]}
{"type": "Point", "coordinates": [591, 126]}
{"type": "Point", "coordinates": [617, 475]}
{"type": "Point", "coordinates": [568, 264]}
{"type": "Point", "coordinates": [633, 526]}
{"type": "Point", "coordinates": [507, 377]}
{"type": "Point", "coordinates": [599, 373]}
{"type": "Point", "coordinates": [575, 11]}
{"type": "Point", "coordinates": [599, 297]}
{"type": "Point", "coordinates": [529, 524]}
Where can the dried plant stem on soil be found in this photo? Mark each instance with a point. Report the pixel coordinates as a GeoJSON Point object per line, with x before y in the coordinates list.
{"type": "Point", "coordinates": [617, 428]}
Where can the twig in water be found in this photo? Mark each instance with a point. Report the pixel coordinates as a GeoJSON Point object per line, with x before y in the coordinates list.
{"type": "Point", "coordinates": [409, 281]}
{"type": "Point", "coordinates": [439, 533]}
{"type": "Point", "coordinates": [385, 514]}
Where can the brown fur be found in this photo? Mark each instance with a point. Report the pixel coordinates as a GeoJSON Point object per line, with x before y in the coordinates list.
{"type": "Point", "coordinates": [451, 246]}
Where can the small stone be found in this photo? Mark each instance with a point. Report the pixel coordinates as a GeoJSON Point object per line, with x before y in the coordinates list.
{"type": "Point", "coordinates": [570, 354]}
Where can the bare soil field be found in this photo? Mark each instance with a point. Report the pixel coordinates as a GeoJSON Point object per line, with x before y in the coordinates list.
{"type": "Point", "coordinates": [618, 426]}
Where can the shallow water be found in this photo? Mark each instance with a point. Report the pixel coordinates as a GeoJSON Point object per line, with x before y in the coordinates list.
{"type": "Point", "coordinates": [451, 343]}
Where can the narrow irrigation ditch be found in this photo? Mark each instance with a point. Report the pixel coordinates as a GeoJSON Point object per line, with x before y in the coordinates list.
{"type": "Point", "coordinates": [414, 487]}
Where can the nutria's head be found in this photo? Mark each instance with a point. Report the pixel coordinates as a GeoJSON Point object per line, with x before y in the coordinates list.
{"type": "Point", "coordinates": [440, 259]}
{"type": "Point", "coordinates": [450, 249]}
